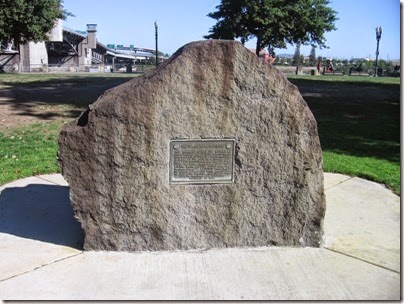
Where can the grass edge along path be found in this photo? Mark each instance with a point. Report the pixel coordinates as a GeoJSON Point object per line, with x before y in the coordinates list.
{"type": "Point", "coordinates": [373, 169]}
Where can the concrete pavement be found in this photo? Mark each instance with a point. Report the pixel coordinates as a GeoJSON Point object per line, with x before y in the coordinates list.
{"type": "Point", "coordinates": [40, 256]}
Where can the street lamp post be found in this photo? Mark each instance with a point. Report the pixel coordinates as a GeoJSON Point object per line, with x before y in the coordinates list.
{"type": "Point", "coordinates": [378, 36]}
{"type": "Point", "coordinates": [157, 51]}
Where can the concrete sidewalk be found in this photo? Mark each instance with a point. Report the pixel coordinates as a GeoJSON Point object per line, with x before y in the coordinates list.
{"type": "Point", "coordinates": [359, 259]}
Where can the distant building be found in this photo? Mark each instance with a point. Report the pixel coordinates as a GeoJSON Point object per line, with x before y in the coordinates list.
{"type": "Point", "coordinates": [69, 50]}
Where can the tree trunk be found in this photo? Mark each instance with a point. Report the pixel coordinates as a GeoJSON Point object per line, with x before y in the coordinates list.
{"type": "Point", "coordinates": [21, 54]}
{"type": "Point", "coordinates": [258, 47]}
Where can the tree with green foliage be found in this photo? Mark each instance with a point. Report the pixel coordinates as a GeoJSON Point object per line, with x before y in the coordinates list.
{"type": "Point", "coordinates": [312, 56]}
{"type": "Point", "coordinates": [275, 23]}
{"type": "Point", "coordinates": [360, 66]}
{"type": "Point", "coordinates": [297, 57]}
{"type": "Point", "coordinates": [22, 21]}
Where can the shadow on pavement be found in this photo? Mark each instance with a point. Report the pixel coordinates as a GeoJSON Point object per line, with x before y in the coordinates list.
{"type": "Point", "coordinates": [40, 212]}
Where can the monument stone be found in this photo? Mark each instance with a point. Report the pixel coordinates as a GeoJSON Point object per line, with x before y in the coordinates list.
{"type": "Point", "coordinates": [214, 148]}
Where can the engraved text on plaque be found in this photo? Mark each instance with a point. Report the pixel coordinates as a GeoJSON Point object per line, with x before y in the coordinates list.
{"type": "Point", "coordinates": [201, 161]}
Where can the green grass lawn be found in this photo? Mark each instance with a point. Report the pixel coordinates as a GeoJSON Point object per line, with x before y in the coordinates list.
{"type": "Point", "coordinates": [347, 79]}
{"type": "Point", "coordinates": [358, 121]}
{"type": "Point", "coordinates": [27, 151]}
{"type": "Point", "coordinates": [359, 124]}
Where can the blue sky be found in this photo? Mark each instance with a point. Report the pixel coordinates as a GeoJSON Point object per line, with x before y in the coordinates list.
{"type": "Point", "coordinates": [181, 21]}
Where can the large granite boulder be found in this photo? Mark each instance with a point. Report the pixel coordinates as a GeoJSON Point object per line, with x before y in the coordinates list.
{"type": "Point", "coordinates": [116, 157]}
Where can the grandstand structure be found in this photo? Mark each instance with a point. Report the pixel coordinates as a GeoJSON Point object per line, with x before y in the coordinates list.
{"type": "Point", "coordinates": [69, 50]}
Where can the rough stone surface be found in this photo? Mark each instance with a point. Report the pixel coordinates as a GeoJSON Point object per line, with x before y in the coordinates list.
{"type": "Point", "coordinates": [116, 157]}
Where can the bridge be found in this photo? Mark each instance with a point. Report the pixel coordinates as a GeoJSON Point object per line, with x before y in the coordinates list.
{"type": "Point", "coordinates": [131, 49]}
{"type": "Point", "coordinates": [102, 53]}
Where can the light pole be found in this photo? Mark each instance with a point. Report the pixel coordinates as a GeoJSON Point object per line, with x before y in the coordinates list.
{"type": "Point", "coordinates": [378, 36]}
{"type": "Point", "coordinates": [157, 51]}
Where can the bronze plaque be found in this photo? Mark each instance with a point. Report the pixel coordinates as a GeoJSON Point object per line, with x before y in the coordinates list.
{"type": "Point", "coordinates": [203, 161]}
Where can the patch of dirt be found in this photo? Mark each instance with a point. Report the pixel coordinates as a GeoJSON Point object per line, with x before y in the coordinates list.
{"type": "Point", "coordinates": [12, 116]}
{"type": "Point", "coordinates": [24, 104]}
